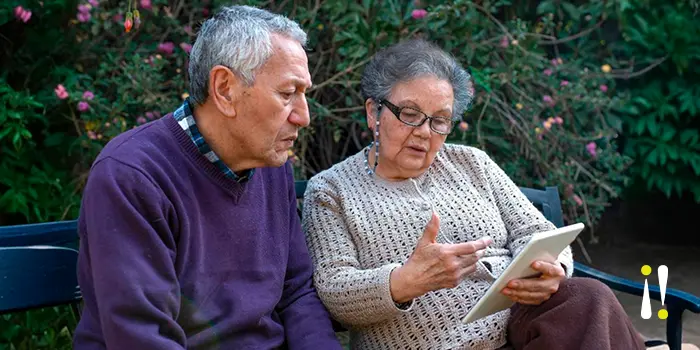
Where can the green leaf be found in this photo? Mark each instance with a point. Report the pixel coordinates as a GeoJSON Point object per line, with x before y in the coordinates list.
{"type": "Point", "coordinates": [643, 25]}
{"type": "Point", "coordinates": [662, 154]}
{"type": "Point", "coordinates": [17, 139]}
{"type": "Point", "coordinates": [688, 105]}
{"type": "Point", "coordinates": [546, 6]}
{"type": "Point", "coordinates": [6, 198]}
{"type": "Point", "coordinates": [696, 166]}
{"type": "Point", "coordinates": [571, 10]}
{"type": "Point", "coordinates": [672, 152]}
{"type": "Point", "coordinates": [667, 187]}
{"type": "Point", "coordinates": [652, 157]}
{"type": "Point", "coordinates": [367, 4]}
{"type": "Point", "coordinates": [653, 127]}
{"type": "Point", "coordinates": [668, 133]}
{"type": "Point", "coordinates": [689, 137]}
{"type": "Point", "coordinates": [642, 101]}
{"type": "Point", "coordinates": [4, 132]}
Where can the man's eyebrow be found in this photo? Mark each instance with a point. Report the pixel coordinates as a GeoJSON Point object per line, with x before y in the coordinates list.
{"type": "Point", "coordinates": [300, 82]}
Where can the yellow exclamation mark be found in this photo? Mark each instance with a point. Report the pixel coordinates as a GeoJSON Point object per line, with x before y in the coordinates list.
{"type": "Point", "coordinates": [646, 303]}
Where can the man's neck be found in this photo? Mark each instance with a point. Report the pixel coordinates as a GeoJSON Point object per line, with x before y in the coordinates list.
{"type": "Point", "coordinates": [214, 131]}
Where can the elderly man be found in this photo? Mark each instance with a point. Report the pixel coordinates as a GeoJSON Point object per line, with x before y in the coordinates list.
{"type": "Point", "coordinates": [189, 231]}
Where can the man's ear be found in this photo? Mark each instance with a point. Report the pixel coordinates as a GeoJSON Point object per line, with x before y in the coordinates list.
{"type": "Point", "coordinates": [224, 89]}
{"type": "Point", "coordinates": [372, 113]}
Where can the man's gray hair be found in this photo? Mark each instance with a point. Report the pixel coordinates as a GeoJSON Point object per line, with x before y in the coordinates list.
{"type": "Point", "coordinates": [411, 59]}
{"type": "Point", "coordinates": [240, 38]}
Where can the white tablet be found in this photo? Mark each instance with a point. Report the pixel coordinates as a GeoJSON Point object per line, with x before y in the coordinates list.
{"type": "Point", "coordinates": [541, 244]}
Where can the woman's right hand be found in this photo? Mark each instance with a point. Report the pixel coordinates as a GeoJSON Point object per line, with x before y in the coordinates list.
{"type": "Point", "coordinates": [434, 266]}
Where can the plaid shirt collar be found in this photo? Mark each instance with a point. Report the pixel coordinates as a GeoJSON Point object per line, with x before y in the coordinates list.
{"type": "Point", "coordinates": [185, 119]}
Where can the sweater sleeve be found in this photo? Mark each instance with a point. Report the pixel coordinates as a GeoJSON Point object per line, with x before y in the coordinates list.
{"type": "Point", "coordinates": [355, 296]}
{"type": "Point", "coordinates": [126, 264]}
{"type": "Point", "coordinates": [522, 219]}
{"type": "Point", "coordinates": [307, 324]}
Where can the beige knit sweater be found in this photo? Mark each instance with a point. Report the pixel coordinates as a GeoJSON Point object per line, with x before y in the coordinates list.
{"type": "Point", "coordinates": [359, 227]}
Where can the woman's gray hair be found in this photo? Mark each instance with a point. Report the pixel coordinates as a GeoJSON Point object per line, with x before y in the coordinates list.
{"type": "Point", "coordinates": [238, 37]}
{"type": "Point", "coordinates": [413, 59]}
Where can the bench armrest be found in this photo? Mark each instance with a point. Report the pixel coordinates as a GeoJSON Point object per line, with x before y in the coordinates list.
{"type": "Point", "coordinates": [674, 297]}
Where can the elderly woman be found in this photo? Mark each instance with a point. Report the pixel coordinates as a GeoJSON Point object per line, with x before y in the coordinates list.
{"type": "Point", "coordinates": [409, 233]}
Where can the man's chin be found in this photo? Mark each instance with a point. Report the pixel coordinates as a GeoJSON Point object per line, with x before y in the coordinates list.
{"type": "Point", "coordinates": [277, 159]}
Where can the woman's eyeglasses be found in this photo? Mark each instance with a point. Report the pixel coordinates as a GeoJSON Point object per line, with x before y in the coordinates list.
{"type": "Point", "coordinates": [414, 117]}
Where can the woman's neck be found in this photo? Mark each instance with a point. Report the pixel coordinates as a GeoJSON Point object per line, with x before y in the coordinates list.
{"type": "Point", "coordinates": [386, 170]}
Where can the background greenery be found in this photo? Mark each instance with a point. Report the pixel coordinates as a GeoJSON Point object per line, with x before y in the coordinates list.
{"type": "Point", "coordinates": [595, 97]}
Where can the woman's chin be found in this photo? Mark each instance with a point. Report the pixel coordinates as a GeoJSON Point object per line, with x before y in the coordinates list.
{"type": "Point", "coordinates": [413, 166]}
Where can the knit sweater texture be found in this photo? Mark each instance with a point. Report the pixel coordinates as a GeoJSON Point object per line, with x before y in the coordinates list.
{"type": "Point", "coordinates": [359, 227]}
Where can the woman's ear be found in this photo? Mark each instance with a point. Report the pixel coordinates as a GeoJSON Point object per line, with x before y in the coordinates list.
{"type": "Point", "coordinates": [371, 110]}
{"type": "Point", "coordinates": [224, 88]}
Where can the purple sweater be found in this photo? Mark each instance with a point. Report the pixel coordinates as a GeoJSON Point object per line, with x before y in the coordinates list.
{"type": "Point", "coordinates": [174, 255]}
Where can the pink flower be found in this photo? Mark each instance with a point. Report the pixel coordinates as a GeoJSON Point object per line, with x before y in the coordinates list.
{"type": "Point", "coordinates": [22, 14]}
{"type": "Point", "coordinates": [186, 47]}
{"type": "Point", "coordinates": [91, 135]}
{"type": "Point", "coordinates": [558, 120]}
{"type": "Point", "coordinates": [555, 62]}
{"type": "Point", "coordinates": [591, 148]}
{"type": "Point", "coordinates": [83, 106]}
{"type": "Point", "coordinates": [564, 83]}
{"type": "Point", "coordinates": [578, 200]}
{"type": "Point", "coordinates": [569, 189]}
{"type": "Point", "coordinates": [547, 72]}
{"type": "Point", "coordinates": [419, 13]}
{"type": "Point", "coordinates": [166, 47]}
{"type": "Point", "coordinates": [604, 88]}
{"type": "Point", "coordinates": [141, 120]}
{"type": "Point", "coordinates": [188, 29]}
{"type": "Point", "coordinates": [145, 4]}
{"type": "Point", "coordinates": [84, 8]}
{"type": "Point", "coordinates": [83, 16]}
{"type": "Point", "coordinates": [149, 115]}
{"type": "Point", "coordinates": [504, 42]}
{"type": "Point", "coordinates": [88, 95]}
{"type": "Point", "coordinates": [548, 100]}
{"type": "Point", "coordinates": [94, 3]}
{"type": "Point", "coordinates": [61, 92]}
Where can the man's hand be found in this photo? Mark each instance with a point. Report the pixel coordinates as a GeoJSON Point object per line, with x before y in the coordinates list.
{"type": "Point", "coordinates": [535, 291]}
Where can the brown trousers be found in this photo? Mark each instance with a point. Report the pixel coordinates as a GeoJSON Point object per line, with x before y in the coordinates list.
{"type": "Point", "coordinates": [582, 314]}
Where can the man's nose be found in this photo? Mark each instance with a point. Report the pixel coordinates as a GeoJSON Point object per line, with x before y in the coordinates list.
{"type": "Point", "coordinates": [300, 113]}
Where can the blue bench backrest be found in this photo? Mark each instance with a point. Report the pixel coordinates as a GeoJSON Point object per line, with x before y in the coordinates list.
{"type": "Point", "coordinates": [37, 276]}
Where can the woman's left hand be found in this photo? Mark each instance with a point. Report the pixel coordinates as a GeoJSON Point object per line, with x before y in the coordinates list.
{"type": "Point", "coordinates": [535, 291]}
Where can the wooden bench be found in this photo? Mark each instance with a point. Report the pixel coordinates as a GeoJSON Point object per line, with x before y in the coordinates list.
{"type": "Point", "coordinates": [38, 267]}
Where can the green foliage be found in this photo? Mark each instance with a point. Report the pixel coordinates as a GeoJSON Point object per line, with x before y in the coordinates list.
{"type": "Point", "coordinates": [48, 328]}
{"type": "Point", "coordinates": [662, 120]}
{"type": "Point", "coordinates": [33, 187]}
